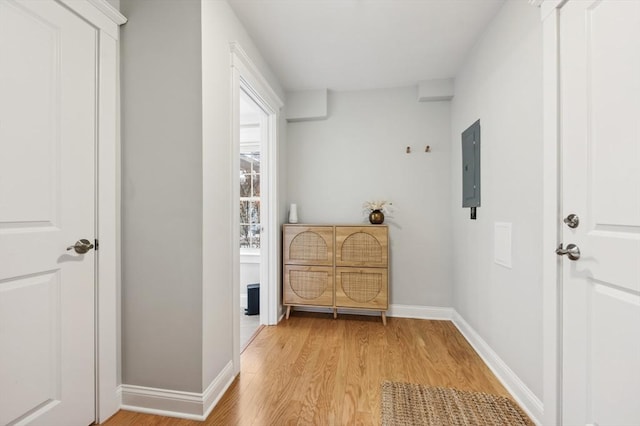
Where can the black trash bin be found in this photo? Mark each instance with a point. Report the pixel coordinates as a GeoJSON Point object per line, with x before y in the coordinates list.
{"type": "Point", "coordinates": [253, 299]}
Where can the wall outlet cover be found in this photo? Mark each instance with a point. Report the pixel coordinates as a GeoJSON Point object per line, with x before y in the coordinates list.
{"type": "Point", "coordinates": [502, 244]}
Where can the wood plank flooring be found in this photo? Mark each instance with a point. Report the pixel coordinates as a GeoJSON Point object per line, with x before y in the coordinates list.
{"type": "Point", "coordinates": [313, 370]}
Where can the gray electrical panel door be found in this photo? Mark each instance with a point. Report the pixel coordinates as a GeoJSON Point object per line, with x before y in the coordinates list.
{"type": "Point", "coordinates": [471, 166]}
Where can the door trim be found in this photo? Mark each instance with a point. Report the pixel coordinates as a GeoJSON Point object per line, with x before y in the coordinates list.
{"type": "Point", "coordinates": [551, 213]}
{"type": "Point", "coordinates": [106, 19]}
{"type": "Point", "coordinates": [246, 76]}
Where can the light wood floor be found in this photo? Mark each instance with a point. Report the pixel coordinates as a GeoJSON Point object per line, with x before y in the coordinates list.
{"type": "Point", "coordinates": [314, 370]}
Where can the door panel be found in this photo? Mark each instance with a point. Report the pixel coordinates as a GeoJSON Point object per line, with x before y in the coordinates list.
{"type": "Point", "coordinates": [34, 357]}
{"type": "Point", "coordinates": [30, 91]}
{"type": "Point", "coordinates": [47, 202]}
{"type": "Point", "coordinates": [613, 102]}
{"type": "Point", "coordinates": [615, 369]}
{"type": "Point", "coordinates": [600, 106]}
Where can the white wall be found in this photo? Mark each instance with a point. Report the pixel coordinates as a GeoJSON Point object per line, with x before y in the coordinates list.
{"type": "Point", "coordinates": [358, 154]}
{"type": "Point", "coordinates": [176, 138]}
{"type": "Point", "coordinates": [501, 84]}
{"type": "Point", "coordinates": [162, 194]}
{"type": "Point", "coordinates": [220, 26]}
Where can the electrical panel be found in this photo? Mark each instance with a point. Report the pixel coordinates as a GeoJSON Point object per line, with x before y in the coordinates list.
{"type": "Point", "coordinates": [471, 167]}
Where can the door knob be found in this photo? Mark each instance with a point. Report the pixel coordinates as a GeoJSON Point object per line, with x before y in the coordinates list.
{"type": "Point", "coordinates": [572, 251]}
{"type": "Point", "coordinates": [81, 246]}
{"type": "Point", "coordinates": [572, 220]}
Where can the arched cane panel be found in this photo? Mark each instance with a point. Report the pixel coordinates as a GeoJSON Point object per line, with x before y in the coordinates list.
{"type": "Point", "coordinates": [361, 287]}
{"type": "Point", "coordinates": [361, 247]}
{"type": "Point", "coordinates": [308, 246]}
{"type": "Point", "coordinates": [309, 285]}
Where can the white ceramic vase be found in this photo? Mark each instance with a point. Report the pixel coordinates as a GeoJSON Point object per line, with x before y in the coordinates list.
{"type": "Point", "coordinates": [293, 214]}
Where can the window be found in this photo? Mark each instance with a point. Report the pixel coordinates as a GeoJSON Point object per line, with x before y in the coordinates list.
{"type": "Point", "coordinates": [251, 129]}
{"type": "Point", "coordinates": [249, 197]}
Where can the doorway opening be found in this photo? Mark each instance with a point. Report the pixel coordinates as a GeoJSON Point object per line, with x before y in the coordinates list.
{"type": "Point", "coordinates": [250, 87]}
{"type": "Point", "coordinates": [253, 124]}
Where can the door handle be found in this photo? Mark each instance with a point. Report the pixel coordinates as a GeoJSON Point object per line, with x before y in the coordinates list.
{"type": "Point", "coordinates": [81, 246]}
{"type": "Point", "coordinates": [572, 251]}
{"type": "Point", "coordinates": [572, 221]}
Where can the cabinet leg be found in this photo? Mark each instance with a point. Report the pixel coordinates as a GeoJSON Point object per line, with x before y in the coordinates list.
{"type": "Point", "coordinates": [384, 318]}
{"type": "Point", "coordinates": [335, 313]}
{"type": "Point", "coordinates": [288, 311]}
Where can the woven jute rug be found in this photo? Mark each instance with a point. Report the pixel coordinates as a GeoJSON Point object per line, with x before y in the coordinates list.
{"type": "Point", "coordinates": [406, 404]}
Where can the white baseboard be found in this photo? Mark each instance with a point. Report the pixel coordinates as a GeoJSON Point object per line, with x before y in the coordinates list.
{"type": "Point", "coordinates": [217, 388]}
{"type": "Point", "coordinates": [516, 387]}
{"type": "Point", "coordinates": [420, 312]}
{"type": "Point", "coordinates": [184, 405]}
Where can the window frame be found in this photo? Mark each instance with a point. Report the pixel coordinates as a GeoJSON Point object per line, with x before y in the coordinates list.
{"type": "Point", "coordinates": [249, 145]}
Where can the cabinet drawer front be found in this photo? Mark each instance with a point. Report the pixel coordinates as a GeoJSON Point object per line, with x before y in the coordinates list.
{"type": "Point", "coordinates": [308, 245]}
{"type": "Point", "coordinates": [308, 285]}
{"type": "Point", "coordinates": [362, 288]}
{"type": "Point", "coordinates": [362, 246]}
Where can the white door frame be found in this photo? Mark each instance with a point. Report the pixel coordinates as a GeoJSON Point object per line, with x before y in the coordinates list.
{"type": "Point", "coordinates": [106, 19]}
{"type": "Point", "coordinates": [551, 214]}
{"type": "Point", "coordinates": [246, 76]}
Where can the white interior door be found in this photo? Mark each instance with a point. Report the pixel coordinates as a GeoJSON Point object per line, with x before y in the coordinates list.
{"type": "Point", "coordinates": [600, 134]}
{"type": "Point", "coordinates": [47, 203]}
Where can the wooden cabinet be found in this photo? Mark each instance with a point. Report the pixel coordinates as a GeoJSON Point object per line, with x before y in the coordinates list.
{"type": "Point", "coordinates": [336, 266]}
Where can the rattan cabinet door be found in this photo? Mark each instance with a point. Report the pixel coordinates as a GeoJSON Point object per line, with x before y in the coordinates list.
{"type": "Point", "coordinates": [362, 288]}
{"type": "Point", "coordinates": [366, 246]}
{"type": "Point", "coordinates": [308, 245]}
{"type": "Point", "coordinates": [308, 285]}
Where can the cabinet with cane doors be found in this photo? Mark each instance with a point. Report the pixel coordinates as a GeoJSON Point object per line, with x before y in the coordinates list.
{"type": "Point", "coordinates": [336, 266]}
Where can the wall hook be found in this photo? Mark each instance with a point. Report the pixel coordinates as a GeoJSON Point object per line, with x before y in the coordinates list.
{"type": "Point", "coordinates": [408, 150]}
{"type": "Point", "coordinates": [427, 149]}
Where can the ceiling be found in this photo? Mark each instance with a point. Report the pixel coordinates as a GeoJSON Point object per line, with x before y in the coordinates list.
{"type": "Point", "coordinates": [363, 44]}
